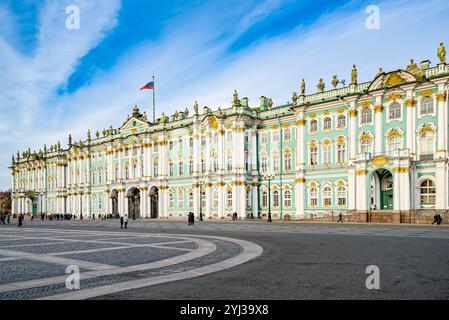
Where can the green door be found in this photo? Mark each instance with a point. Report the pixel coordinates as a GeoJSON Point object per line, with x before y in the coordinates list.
{"type": "Point", "coordinates": [387, 200]}
{"type": "Point", "coordinates": [34, 209]}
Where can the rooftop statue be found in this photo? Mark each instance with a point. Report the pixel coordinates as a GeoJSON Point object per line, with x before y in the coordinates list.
{"type": "Point", "coordinates": [441, 53]}
{"type": "Point", "coordinates": [320, 86]}
{"type": "Point", "coordinates": [335, 81]}
{"type": "Point", "coordinates": [176, 114]}
{"type": "Point", "coordinates": [270, 103]}
{"type": "Point", "coordinates": [235, 99]}
{"type": "Point", "coordinates": [104, 132]}
{"type": "Point", "coordinates": [97, 134]}
{"type": "Point", "coordinates": [88, 134]}
{"type": "Point", "coordinates": [195, 107]}
{"type": "Point", "coordinates": [415, 70]}
{"type": "Point", "coordinates": [70, 139]}
{"type": "Point", "coordinates": [354, 75]}
{"type": "Point", "coordinates": [220, 112]}
{"type": "Point", "coordinates": [186, 112]}
{"type": "Point", "coordinates": [303, 87]}
{"type": "Point", "coordinates": [379, 72]}
{"type": "Point", "coordinates": [295, 98]}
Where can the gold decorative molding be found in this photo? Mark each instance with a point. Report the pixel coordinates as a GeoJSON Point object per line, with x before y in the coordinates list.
{"type": "Point", "coordinates": [312, 116]}
{"type": "Point", "coordinates": [300, 180]}
{"type": "Point", "coordinates": [361, 172]}
{"type": "Point", "coordinates": [401, 170]}
{"type": "Point", "coordinates": [410, 102]}
{"type": "Point", "coordinates": [394, 79]}
{"type": "Point", "coordinates": [427, 93]}
{"type": "Point", "coordinates": [441, 97]}
{"type": "Point", "coordinates": [352, 112]}
{"type": "Point", "coordinates": [220, 184]}
{"type": "Point", "coordinates": [378, 108]}
{"type": "Point", "coordinates": [365, 104]}
{"type": "Point", "coordinates": [380, 161]}
{"type": "Point", "coordinates": [393, 133]}
{"type": "Point", "coordinates": [301, 122]}
{"type": "Point", "coordinates": [394, 97]}
{"type": "Point", "coordinates": [340, 111]}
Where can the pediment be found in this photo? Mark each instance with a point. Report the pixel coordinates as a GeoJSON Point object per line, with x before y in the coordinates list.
{"type": "Point", "coordinates": [134, 125]}
{"type": "Point", "coordinates": [392, 79]}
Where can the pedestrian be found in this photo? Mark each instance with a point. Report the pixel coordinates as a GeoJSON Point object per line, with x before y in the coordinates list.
{"type": "Point", "coordinates": [435, 219]}
{"type": "Point", "coordinates": [189, 218]}
{"type": "Point", "coordinates": [192, 218]}
{"type": "Point", "coordinates": [126, 221]}
{"type": "Point", "coordinates": [234, 217]}
{"type": "Point", "coordinates": [340, 218]}
{"type": "Point", "coordinates": [8, 218]}
{"type": "Point", "coordinates": [20, 221]}
{"type": "Point", "coordinates": [2, 219]}
{"type": "Point", "coordinates": [121, 222]}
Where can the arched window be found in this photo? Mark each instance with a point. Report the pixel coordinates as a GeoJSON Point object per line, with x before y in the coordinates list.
{"type": "Point", "coordinates": [366, 145]}
{"type": "Point", "coordinates": [341, 152]}
{"type": "Point", "coordinates": [134, 171]}
{"type": "Point", "coordinates": [327, 123]}
{"type": "Point", "coordinates": [190, 167]}
{"type": "Point", "coordinates": [203, 141]}
{"type": "Point", "coordinates": [180, 198]}
{"type": "Point", "coordinates": [427, 142]}
{"type": "Point", "coordinates": [134, 150]}
{"type": "Point", "coordinates": [156, 147]}
{"type": "Point", "coordinates": [341, 196]}
{"type": "Point", "coordinates": [191, 142]}
{"type": "Point", "coordinates": [170, 145]}
{"type": "Point", "coordinates": [100, 202]}
{"type": "Point", "coordinates": [180, 144]}
{"type": "Point", "coordinates": [248, 198]}
{"type": "Point", "coordinates": [313, 154]}
{"type": "Point", "coordinates": [327, 196]}
{"type": "Point", "coordinates": [126, 152]}
{"type": "Point", "coordinates": [229, 136]}
{"type": "Point", "coordinates": [313, 197]}
{"type": "Point", "coordinates": [341, 121]}
{"type": "Point", "coordinates": [394, 111]}
{"type": "Point", "coordinates": [203, 165]}
{"type": "Point", "coordinates": [327, 152]}
{"type": "Point", "coordinates": [229, 162]}
{"type": "Point", "coordinates": [275, 136]}
{"type": "Point", "coordinates": [203, 197]}
{"type": "Point", "coordinates": [276, 162]}
{"type": "Point", "coordinates": [264, 198]}
{"type": "Point", "coordinates": [215, 160]}
{"type": "Point", "coordinates": [366, 116]}
{"type": "Point", "coordinates": [229, 198]}
{"type": "Point", "coordinates": [264, 163]}
{"type": "Point", "coordinates": [215, 199]}
{"type": "Point", "coordinates": [126, 172]}
{"type": "Point", "coordinates": [287, 160]}
{"type": "Point", "coordinates": [426, 106]}
{"type": "Point", "coordinates": [264, 138]}
{"type": "Point", "coordinates": [428, 192]}
{"type": "Point", "coordinates": [394, 143]}
{"type": "Point", "coordinates": [275, 198]}
{"type": "Point", "coordinates": [181, 168]}
{"type": "Point", "coordinates": [171, 169]}
{"type": "Point", "coordinates": [287, 198]}
{"type": "Point", "coordinates": [313, 126]}
{"type": "Point", "coordinates": [116, 172]}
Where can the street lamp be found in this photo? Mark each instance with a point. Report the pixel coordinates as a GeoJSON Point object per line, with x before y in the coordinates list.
{"type": "Point", "coordinates": [268, 178]}
{"type": "Point", "coordinates": [200, 186]}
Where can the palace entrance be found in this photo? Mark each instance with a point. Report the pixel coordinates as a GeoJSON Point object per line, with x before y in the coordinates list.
{"type": "Point", "coordinates": [154, 202]}
{"type": "Point", "coordinates": [134, 203]}
{"type": "Point", "coordinates": [381, 189]}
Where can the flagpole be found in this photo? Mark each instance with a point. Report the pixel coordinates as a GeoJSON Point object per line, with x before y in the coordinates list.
{"type": "Point", "coordinates": [154, 103]}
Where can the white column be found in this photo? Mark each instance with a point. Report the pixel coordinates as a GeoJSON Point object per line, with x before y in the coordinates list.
{"type": "Point", "coordinates": [253, 153]}
{"type": "Point", "coordinates": [352, 132]}
{"type": "Point", "coordinates": [441, 172]}
{"type": "Point", "coordinates": [221, 155]}
{"type": "Point", "coordinates": [411, 116]}
{"type": "Point", "coordinates": [221, 199]}
{"type": "Point", "coordinates": [405, 189]}
{"type": "Point", "coordinates": [442, 123]}
{"type": "Point", "coordinates": [208, 208]}
{"type": "Point", "coordinates": [378, 123]}
{"type": "Point", "coordinates": [255, 198]}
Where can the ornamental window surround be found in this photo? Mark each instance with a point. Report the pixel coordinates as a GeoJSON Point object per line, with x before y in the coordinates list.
{"type": "Point", "coordinates": [327, 123]}
{"type": "Point", "coordinates": [264, 198]}
{"type": "Point", "coordinates": [215, 198]}
{"type": "Point", "coordinates": [313, 126]}
{"type": "Point", "coordinates": [275, 198]}
{"type": "Point", "coordinates": [427, 106]}
{"type": "Point", "coordinates": [341, 121]}
{"type": "Point", "coordinates": [394, 111]}
{"type": "Point", "coordinates": [366, 116]}
{"type": "Point", "coordinates": [313, 197]}
{"type": "Point", "coordinates": [341, 196]}
{"type": "Point", "coordinates": [327, 152]}
{"type": "Point", "coordinates": [287, 198]}
{"type": "Point", "coordinates": [287, 134]}
{"type": "Point", "coordinates": [327, 196]}
{"type": "Point", "coordinates": [229, 198]}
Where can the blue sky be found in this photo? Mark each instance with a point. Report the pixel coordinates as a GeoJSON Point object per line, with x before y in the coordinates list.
{"type": "Point", "coordinates": [56, 81]}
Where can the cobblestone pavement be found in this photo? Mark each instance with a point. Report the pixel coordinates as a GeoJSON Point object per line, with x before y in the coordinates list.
{"type": "Point", "coordinates": [33, 261]}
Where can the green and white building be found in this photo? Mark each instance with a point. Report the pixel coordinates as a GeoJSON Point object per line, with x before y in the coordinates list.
{"type": "Point", "coordinates": [375, 151]}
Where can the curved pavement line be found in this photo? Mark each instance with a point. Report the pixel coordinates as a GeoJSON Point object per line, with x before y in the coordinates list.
{"type": "Point", "coordinates": [250, 251]}
{"type": "Point", "coordinates": [204, 248]}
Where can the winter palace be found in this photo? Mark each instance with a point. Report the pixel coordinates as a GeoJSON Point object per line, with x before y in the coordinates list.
{"type": "Point", "coordinates": [375, 151]}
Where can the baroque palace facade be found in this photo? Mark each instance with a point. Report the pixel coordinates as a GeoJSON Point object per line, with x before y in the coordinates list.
{"type": "Point", "coordinates": [375, 151]}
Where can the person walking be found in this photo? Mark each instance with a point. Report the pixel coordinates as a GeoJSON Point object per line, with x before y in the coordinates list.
{"type": "Point", "coordinates": [340, 218]}
{"type": "Point", "coordinates": [121, 222]}
{"type": "Point", "coordinates": [2, 219]}
{"type": "Point", "coordinates": [8, 219]}
{"type": "Point", "coordinates": [20, 221]}
{"type": "Point", "coordinates": [189, 219]}
{"type": "Point", "coordinates": [435, 219]}
{"type": "Point", "coordinates": [234, 217]}
{"type": "Point", "coordinates": [126, 221]}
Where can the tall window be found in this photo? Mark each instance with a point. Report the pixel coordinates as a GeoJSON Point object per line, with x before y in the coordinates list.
{"type": "Point", "coordinates": [203, 198]}
{"type": "Point", "coordinates": [171, 169]}
{"type": "Point", "coordinates": [327, 196]}
{"type": "Point", "coordinates": [327, 152]}
{"type": "Point", "coordinates": [287, 160]}
{"type": "Point", "coordinates": [264, 199]}
{"type": "Point", "coordinates": [190, 167]}
{"type": "Point", "coordinates": [313, 153]}
{"type": "Point", "coordinates": [170, 145]}
{"type": "Point", "coordinates": [229, 198]}
{"type": "Point", "coordinates": [366, 145]}
{"type": "Point", "coordinates": [287, 198]}
{"type": "Point", "coordinates": [116, 172]}
{"type": "Point", "coordinates": [426, 106]}
{"type": "Point", "coordinates": [134, 151]}
{"type": "Point", "coordinates": [264, 163]}
{"type": "Point", "coordinates": [276, 162]}
{"type": "Point", "coordinates": [275, 136]}
{"type": "Point", "coordinates": [126, 152]}
{"type": "Point", "coordinates": [427, 141]}
{"type": "Point", "coordinates": [287, 134]}
{"type": "Point", "coordinates": [394, 111]}
{"type": "Point", "coordinates": [181, 168]}
{"type": "Point", "coordinates": [229, 136]}
{"type": "Point", "coordinates": [341, 152]}
{"type": "Point", "coordinates": [327, 123]}
{"type": "Point", "coordinates": [180, 199]}
{"type": "Point", "coordinates": [275, 198]}
{"type": "Point", "coordinates": [341, 196]}
{"type": "Point", "coordinates": [313, 197]}
{"type": "Point", "coordinates": [366, 116]}
{"type": "Point", "coordinates": [215, 163]}
{"type": "Point", "coordinates": [190, 199]}
{"type": "Point", "coordinates": [394, 143]}
{"type": "Point", "coordinates": [203, 141]}
{"type": "Point", "coordinates": [156, 147]}
{"type": "Point", "coordinates": [229, 162]}
{"type": "Point", "coordinates": [313, 126]}
{"type": "Point", "coordinates": [428, 192]}
{"type": "Point", "coordinates": [341, 121]}
{"type": "Point", "coordinates": [203, 165]}
{"type": "Point", "coordinates": [155, 168]}
{"type": "Point", "coordinates": [126, 172]}
{"type": "Point", "coordinates": [180, 145]}
{"type": "Point", "coordinates": [248, 198]}
{"type": "Point", "coordinates": [191, 142]}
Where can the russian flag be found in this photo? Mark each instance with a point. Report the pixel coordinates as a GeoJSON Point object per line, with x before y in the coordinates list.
{"type": "Point", "coordinates": [149, 85]}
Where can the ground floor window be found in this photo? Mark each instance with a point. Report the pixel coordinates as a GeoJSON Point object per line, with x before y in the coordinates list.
{"type": "Point", "coordinates": [428, 192]}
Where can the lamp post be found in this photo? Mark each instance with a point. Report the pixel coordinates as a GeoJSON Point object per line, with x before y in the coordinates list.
{"type": "Point", "coordinates": [268, 178]}
{"type": "Point", "coordinates": [200, 186]}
